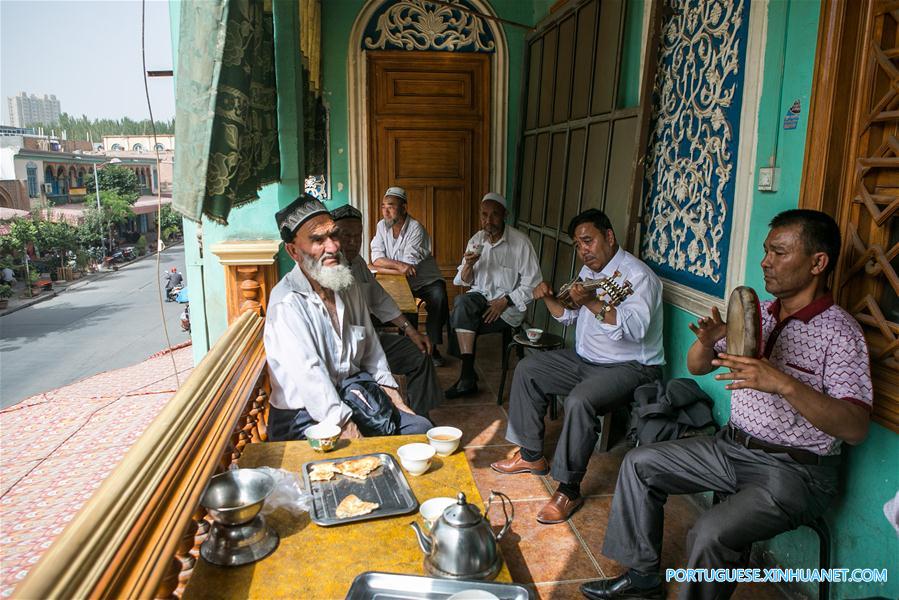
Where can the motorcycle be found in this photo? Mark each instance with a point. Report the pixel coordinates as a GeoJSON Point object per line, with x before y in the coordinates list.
{"type": "Point", "coordinates": [128, 253]}
{"type": "Point", "coordinates": [171, 295]}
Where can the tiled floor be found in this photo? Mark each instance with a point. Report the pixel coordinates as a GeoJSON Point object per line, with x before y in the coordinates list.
{"type": "Point", "coordinates": [57, 448]}
{"type": "Point", "coordinates": [553, 559]}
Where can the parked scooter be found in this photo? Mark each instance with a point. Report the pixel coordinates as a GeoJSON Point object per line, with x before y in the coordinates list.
{"type": "Point", "coordinates": [128, 253]}
{"type": "Point", "coordinates": [185, 318]}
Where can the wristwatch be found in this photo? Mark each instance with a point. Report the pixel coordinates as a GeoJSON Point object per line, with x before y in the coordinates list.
{"type": "Point", "coordinates": [405, 326]}
{"type": "Point", "coordinates": [604, 309]}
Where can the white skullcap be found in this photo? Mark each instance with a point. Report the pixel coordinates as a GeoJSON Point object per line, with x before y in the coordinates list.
{"type": "Point", "coordinates": [397, 192]}
{"type": "Point", "coordinates": [498, 198]}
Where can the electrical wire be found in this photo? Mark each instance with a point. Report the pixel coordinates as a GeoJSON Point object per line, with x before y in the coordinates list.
{"type": "Point", "coordinates": [143, 57]}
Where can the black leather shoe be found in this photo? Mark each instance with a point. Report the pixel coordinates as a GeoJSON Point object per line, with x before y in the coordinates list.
{"type": "Point", "coordinates": [463, 387]}
{"type": "Point", "coordinates": [619, 587]}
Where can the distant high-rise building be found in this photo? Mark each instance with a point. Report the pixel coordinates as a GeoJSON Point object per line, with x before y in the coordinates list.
{"type": "Point", "coordinates": [25, 110]}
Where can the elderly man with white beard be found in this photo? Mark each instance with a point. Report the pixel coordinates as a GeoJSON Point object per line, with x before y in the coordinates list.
{"type": "Point", "coordinates": [321, 348]}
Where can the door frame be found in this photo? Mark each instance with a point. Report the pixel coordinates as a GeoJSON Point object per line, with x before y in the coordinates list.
{"type": "Point", "coordinates": [360, 169]}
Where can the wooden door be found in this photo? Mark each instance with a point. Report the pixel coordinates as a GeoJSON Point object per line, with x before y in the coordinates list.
{"type": "Point", "coordinates": [428, 125]}
{"type": "Point", "coordinates": [852, 173]}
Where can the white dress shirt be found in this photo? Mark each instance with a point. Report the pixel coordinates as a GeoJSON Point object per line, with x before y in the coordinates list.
{"type": "Point", "coordinates": [307, 359]}
{"type": "Point", "coordinates": [380, 304]}
{"type": "Point", "coordinates": [508, 267]}
{"type": "Point", "coordinates": [637, 332]}
{"type": "Point", "coordinates": [412, 246]}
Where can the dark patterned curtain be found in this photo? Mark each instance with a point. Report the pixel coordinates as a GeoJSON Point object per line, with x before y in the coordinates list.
{"type": "Point", "coordinates": [226, 122]}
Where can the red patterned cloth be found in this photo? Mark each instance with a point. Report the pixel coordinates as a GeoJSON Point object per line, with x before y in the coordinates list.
{"type": "Point", "coordinates": [822, 346]}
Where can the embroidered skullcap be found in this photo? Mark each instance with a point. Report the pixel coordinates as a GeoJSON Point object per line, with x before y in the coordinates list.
{"type": "Point", "coordinates": [498, 198]}
{"type": "Point", "coordinates": [347, 211]}
{"type": "Point", "coordinates": [396, 191]}
{"type": "Point", "coordinates": [296, 213]}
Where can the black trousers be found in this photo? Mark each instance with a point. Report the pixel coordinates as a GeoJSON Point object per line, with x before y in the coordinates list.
{"type": "Point", "coordinates": [766, 494]}
{"type": "Point", "coordinates": [404, 358]}
{"type": "Point", "coordinates": [468, 314]}
{"type": "Point", "coordinates": [437, 303]}
{"type": "Point", "coordinates": [591, 390]}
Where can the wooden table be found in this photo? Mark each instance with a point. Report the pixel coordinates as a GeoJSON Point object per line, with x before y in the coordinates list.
{"type": "Point", "coordinates": [398, 288]}
{"type": "Point", "coordinates": [321, 562]}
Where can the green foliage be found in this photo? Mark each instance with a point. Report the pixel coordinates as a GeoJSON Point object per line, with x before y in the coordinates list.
{"type": "Point", "coordinates": [56, 238]}
{"type": "Point", "coordinates": [5, 291]}
{"type": "Point", "coordinates": [141, 245]}
{"type": "Point", "coordinates": [169, 218]}
{"type": "Point", "coordinates": [22, 232]}
{"type": "Point", "coordinates": [118, 179]}
{"type": "Point", "coordinates": [80, 128]}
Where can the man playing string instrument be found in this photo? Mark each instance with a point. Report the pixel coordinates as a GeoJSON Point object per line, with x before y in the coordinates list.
{"type": "Point", "coordinates": [776, 460]}
{"type": "Point", "coordinates": [617, 348]}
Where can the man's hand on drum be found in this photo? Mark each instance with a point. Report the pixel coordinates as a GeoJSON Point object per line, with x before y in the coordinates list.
{"type": "Point", "coordinates": [709, 329]}
{"type": "Point", "coordinates": [752, 373]}
{"type": "Point", "coordinates": [542, 291]}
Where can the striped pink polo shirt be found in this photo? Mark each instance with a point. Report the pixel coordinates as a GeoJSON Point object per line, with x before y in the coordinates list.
{"type": "Point", "coordinates": [822, 346]}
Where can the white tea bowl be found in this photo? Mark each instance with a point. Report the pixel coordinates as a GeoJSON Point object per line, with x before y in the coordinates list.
{"type": "Point", "coordinates": [416, 457]}
{"type": "Point", "coordinates": [444, 439]}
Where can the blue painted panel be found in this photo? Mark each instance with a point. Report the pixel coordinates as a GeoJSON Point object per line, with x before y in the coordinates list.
{"type": "Point", "coordinates": [695, 132]}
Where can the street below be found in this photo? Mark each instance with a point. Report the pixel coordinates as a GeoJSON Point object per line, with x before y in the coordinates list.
{"type": "Point", "coordinates": [109, 322]}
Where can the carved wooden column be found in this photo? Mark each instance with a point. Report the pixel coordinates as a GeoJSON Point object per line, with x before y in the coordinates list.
{"type": "Point", "coordinates": [250, 273]}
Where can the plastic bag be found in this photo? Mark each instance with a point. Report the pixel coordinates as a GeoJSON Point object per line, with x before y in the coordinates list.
{"type": "Point", "coordinates": [287, 494]}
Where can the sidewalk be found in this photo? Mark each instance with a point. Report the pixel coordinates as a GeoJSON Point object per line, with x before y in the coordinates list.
{"type": "Point", "coordinates": [56, 448]}
{"type": "Point", "coordinates": [20, 299]}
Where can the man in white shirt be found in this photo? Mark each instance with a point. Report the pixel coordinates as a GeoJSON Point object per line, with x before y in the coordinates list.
{"type": "Point", "coordinates": [501, 268]}
{"type": "Point", "coordinates": [402, 246]}
{"type": "Point", "coordinates": [319, 338]}
{"type": "Point", "coordinates": [407, 354]}
{"type": "Point", "coordinates": [617, 348]}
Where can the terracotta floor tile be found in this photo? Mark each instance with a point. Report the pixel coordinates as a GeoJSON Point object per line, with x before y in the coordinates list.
{"type": "Point", "coordinates": [481, 425]}
{"type": "Point", "coordinates": [591, 521]}
{"type": "Point", "coordinates": [559, 591]}
{"type": "Point", "coordinates": [517, 487]}
{"type": "Point", "coordinates": [539, 553]}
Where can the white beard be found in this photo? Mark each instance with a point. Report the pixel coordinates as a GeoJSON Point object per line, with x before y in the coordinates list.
{"type": "Point", "coordinates": [337, 278]}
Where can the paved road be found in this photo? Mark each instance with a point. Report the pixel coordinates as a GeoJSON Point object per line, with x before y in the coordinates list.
{"type": "Point", "coordinates": [110, 322]}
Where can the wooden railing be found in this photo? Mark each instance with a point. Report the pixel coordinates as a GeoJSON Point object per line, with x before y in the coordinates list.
{"type": "Point", "coordinates": [137, 535]}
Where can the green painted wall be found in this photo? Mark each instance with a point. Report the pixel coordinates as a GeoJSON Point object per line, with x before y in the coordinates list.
{"type": "Point", "coordinates": [256, 220]}
{"type": "Point", "coordinates": [862, 537]}
{"type": "Point", "coordinates": [337, 22]}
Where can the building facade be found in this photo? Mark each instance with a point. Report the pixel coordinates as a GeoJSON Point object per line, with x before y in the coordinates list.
{"type": "Point", "coordinates": [25, 109]}
{"type": "Point", "coordinates": [138, 143]}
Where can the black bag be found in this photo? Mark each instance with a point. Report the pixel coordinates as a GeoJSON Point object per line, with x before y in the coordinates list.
{"type": "Point", "coordinates": [373, 413]}
{"type": "Point", "coordinates": [668, 412]}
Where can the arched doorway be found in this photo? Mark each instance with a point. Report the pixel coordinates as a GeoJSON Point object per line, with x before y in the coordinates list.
{"type": "Point", "coordinates": [375, 33]}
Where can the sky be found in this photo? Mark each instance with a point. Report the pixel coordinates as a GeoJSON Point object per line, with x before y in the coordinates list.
{"type": "Point", "coordinates": [88, 53]}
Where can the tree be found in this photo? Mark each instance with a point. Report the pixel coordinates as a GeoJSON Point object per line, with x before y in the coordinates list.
{"type": "Point", "coordinates": [80, 128]}
{"type": "Point", "coordinates": [114, 210]}
{"type": "Point", "coordinates": [118, 179]}
{"type": "Point", "coordinates": [56, 238]}
{"type": "Point", "coordinates": [170, 223]}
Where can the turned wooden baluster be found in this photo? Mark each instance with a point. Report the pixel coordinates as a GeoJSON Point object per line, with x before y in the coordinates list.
{"type": "Point", "coordinates": [249, 288]}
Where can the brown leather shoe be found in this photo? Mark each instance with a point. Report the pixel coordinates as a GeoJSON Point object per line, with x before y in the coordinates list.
{"type": "Point", "coordinates": [559, 509]}
{"type": "Point", "coordinates": [515, 464]}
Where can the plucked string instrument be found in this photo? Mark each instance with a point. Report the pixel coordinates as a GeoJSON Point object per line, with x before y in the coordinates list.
{"type": "Point", "coordinates": [613, 291]}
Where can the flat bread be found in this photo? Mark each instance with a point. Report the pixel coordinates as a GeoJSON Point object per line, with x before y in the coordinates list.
{"type": "Point", "coordinates": [352, 506]}
{"type": "Point", "coordinates": [359, 468]}
{"type": "Point", "coordinates": [323, 472]}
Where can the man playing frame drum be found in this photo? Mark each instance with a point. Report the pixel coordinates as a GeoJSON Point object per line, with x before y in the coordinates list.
{"type": "Point", "coordinates": [775, 463]}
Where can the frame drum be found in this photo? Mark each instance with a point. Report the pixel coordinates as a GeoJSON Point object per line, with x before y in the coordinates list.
{"type": "Point", "coordinates": [744, 323]}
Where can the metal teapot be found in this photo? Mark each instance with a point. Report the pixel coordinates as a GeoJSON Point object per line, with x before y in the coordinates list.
{"type": "Point", "coordinates": [462, 544]}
